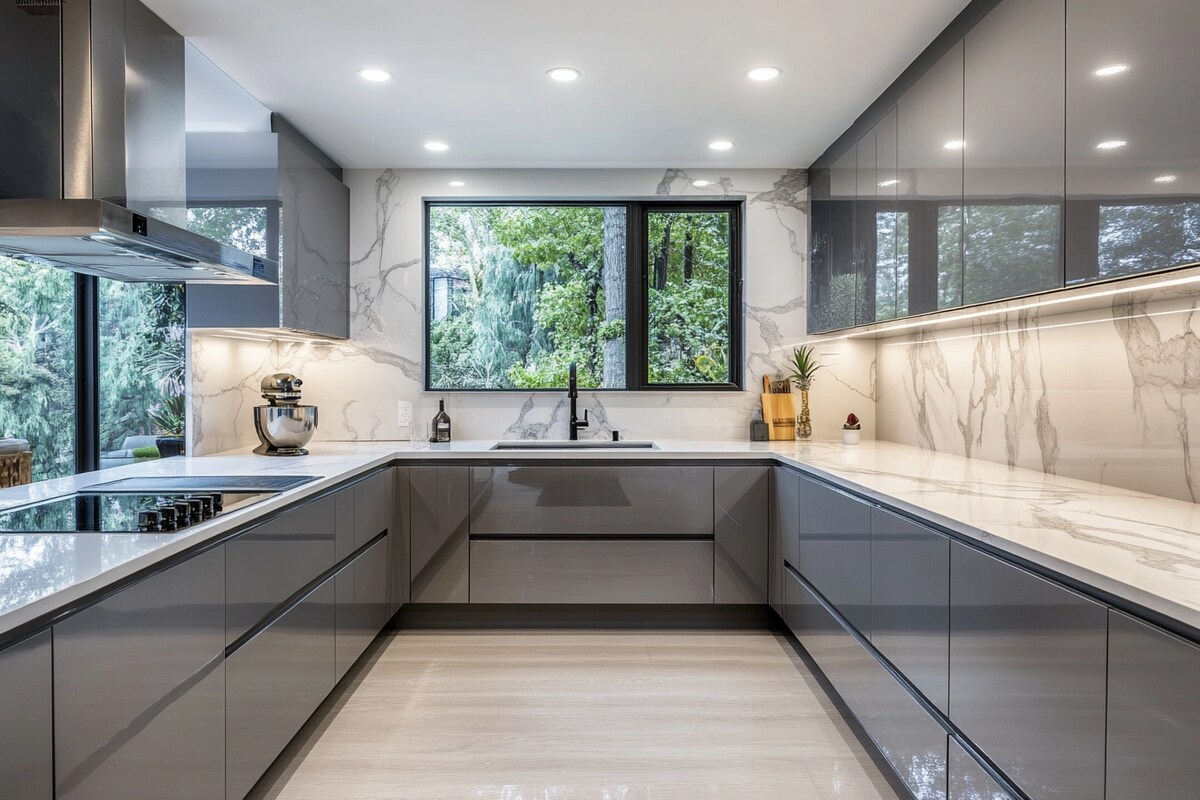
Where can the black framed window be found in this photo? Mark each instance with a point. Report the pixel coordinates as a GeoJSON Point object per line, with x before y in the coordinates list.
{"type": "Point", "coordinates": [638, 294]}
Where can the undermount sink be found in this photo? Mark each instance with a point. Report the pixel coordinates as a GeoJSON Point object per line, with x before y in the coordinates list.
{"type": "Point", "coordinates": [564, 444]}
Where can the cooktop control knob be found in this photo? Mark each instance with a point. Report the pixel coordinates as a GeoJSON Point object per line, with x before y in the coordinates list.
{"type": "Point", "coordinates": [168, 517]}
{"type": "Point", "coordinates": [218, 502]}
{"type": "Point", "coordinates": [149, 521]}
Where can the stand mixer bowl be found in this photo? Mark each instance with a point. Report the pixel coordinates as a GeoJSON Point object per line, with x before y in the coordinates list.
{"type": "Point", "coordinates": [284, 430]}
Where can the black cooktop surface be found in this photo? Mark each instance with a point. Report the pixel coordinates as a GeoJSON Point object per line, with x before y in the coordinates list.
{"type": "Point", "coordinates": [124, 512]}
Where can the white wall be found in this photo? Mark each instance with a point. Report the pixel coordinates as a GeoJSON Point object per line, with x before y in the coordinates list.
{"type": "Point", "coordinates": [357, 384]}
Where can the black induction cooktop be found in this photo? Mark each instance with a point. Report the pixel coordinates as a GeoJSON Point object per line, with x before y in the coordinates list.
{"type": "Point", "coordinates": [124, 512]}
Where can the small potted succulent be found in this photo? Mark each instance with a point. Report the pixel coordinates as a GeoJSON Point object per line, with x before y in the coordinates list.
{"type": "Point", "coordinates": [852, 430]}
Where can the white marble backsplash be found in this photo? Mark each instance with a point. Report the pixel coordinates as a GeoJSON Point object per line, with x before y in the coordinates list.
{"type": "Point", "coordinates": [1107, 395]}
{"type": "Point", "coordinates": [357, 383]}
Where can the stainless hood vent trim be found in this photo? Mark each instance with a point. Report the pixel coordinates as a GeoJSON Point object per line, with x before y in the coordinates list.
{"type": "Point", "coordinates": [104, 239]}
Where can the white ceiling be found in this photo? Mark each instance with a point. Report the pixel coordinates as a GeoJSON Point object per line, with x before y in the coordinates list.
{"type": "Point", "coordinates": [661, 78]}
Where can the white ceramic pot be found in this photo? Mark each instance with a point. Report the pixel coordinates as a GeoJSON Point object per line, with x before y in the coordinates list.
{"type": "Point", "coordinates": [851, 436]}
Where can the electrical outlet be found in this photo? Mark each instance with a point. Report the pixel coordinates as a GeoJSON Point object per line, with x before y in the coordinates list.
{"type": "Point", "coordinates": [404, 413]}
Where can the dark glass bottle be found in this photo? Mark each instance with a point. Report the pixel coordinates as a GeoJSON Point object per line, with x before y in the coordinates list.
{"type": "Point", "coordinates": [441, 424]}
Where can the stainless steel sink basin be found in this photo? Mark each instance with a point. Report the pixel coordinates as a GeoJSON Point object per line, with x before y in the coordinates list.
{"type": "Point", "coordinates": [563, 444]}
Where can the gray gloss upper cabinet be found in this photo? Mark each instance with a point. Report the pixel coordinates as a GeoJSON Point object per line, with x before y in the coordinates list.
{"type": "Point", "coordinates": [820, 264]}
{"type": "Point", "coordinates": [833, 281]}
{"type": "Point", "coordinates": [1027, 675]}
{"type": "Point", "coordinates": [439, 508]}
{"type": "Point", "coordinates": [930, 170]}
{"type": "Point", "coordinates": [865, 185]}
{"type": "Point", "coordinates": [26, 704]}
{"type": "Point", "coordinates": [835, 549]}
{"type": "Point", "coordinates": [1133, 158]}
{"type": "Point", "coordinates": [889, 226]}
{"type": "Point", "coordinates": [1153, 713]}
{"type": "Point", "coordinates": [910, 601]}
{"type": "Point", "coordinates": [1014, 118]}
{"type": "Point", "coordinates": [741, 511]}
{"type": "Point", "coordinates": [139, 689]}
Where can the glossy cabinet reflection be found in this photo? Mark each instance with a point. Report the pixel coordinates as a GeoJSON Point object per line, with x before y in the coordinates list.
{"type": "Point", "coordinates": [1153, 713]}
{"type": "Point", "coordinates": [930, 168]}
{"type": "Point", "coordinates": [1013, 154]}
{"type": "Point", "coordinates": [889, 226]}
{"type": "Point", "coordinates": [1027, 675]}
{"type": "Point", "coordinates": [820, 251]}
{"type": "Point", "coordinates": [26, 738]}
{"type": "Point", "coordinates": [834, 280]}
{"type": "Point", "coordinates": [740, 521]}
{"type": "Point", "coordinates": [866, 163]}
{"type": "Point", "coordinates": [362, 610]}
{"type": "Point", "coordinates": [139, 689]}
{"type": "Point", "coordinates": [439, 507]}
{"type": "Point", "coordinates": [1133, 157]}
{"type": "Point", "coordinates": [910, 601]}
{"type": "Point", "coordinates": [969, 781]}
{"type": "Point", "coordinates": [835, 549]}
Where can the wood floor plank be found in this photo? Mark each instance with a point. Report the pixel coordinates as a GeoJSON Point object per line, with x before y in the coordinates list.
{"type": "Point", "coordinates": [556, 715]}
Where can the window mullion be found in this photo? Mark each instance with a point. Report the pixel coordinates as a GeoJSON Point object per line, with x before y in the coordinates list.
{"type": "Point", "coordinates": [87, 373]}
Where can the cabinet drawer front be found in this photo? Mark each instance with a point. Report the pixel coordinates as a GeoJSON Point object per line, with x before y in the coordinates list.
{"type": "Point", "coordinates": [362, 607]}
{"type": "Point", "coordinates": [582, 501]}
{"type": "Point", "coordinates": [835, 549]}
{"type": "Point", "coordinates": [969, 781]}
{"type": "Point", "coordinates": [909, 738]}
{"type": "Point", "coordinates": [372, 507]}
{"type": "Point", "coordinates": [273, 684]}
{"type": "Point", "coordinates": [272, 562]}
{"type": "Point", "coordinates": [26, 738]}
{"type": "Point", "coordinates": [556, 571]}
{"type": "Point", "coordinates": [741, 509]}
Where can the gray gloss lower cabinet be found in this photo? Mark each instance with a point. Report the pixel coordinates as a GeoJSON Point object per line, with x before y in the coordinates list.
{"type": "Point", "coordinates": [835, 549]}
{"type": "Point", "coordinates": [910, 601]}
{"type": "Point", "coordinates": [969, 781]}
{"type": "Point", "coordinates": [364, 510]}
{"type": "Point", "coordinates": [1027, 675]}
{"type": "Point", "coordinates": [785, 514]}
{"type": "Point", "coordinates": [26, 737]}
{"type": "Point", "coordinates": [362, 604]}
{"type": "Point", "coordinates": [139, 689]}
{"type": "Point", "coordinates": [399, 541]}
{"type": "Point", "coordinates": [906, 735]}
{"type": "Point", "coordinates": [273, 684]}
{"type": "Point", "coordinates": [590, 571]}
{"type": "Point", "coordinates": [439, 554]}
{"type": "Point", "coordinates": [270, 563]}
{"type": "Point", "coordinates": [1153, 713]}
{"type": "Point", "coordinates": [741, 514]}
{"type": "Point", "coordinates": [592, 500]}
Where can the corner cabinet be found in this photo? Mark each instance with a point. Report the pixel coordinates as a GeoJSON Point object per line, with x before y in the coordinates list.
{"type": "Point", "coordinates": [439, 507]}
{"type": "Point", "coordinates": [26, 701]}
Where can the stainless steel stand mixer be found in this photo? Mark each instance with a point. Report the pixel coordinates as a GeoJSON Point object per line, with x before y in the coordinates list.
{"type": "Point", "coordinates": [283, 425]}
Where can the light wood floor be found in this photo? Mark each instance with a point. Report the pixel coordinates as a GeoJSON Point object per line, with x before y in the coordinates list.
{"type": "Point", "coordinates": [509, 715]}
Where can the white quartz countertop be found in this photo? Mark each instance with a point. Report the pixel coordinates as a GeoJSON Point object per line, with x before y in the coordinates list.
{"type": "Point", "coordinates": [1136, 547]}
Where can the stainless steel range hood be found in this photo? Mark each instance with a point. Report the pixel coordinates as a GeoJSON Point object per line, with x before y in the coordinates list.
{"type": "Point", "coordinates": [104, 239]}
{"type": "Point", "coordinates": [93, 172]}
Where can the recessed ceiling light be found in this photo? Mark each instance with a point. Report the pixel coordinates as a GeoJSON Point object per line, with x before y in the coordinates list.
{"type": "Point", "coordinates": [954, 144]}
{"type": "Point", "coordinates": [1111, 69]}
{"type": "Point", "coordinates": [889, 182]}
{"type": "Point", "coordinates": [1112, 144]}
{"type": "Point", "coordinates": [1166, 179]}
{"type": "Point", "coordinates": [375, 75]}
{"type": "Point", "coordinates": [764, 73]}
{"type": "Point", "coordinates": [437, 147]}
{"type": "Point", "coordinates": [700, 184]}
{"type": "Point", "coordinates": [720, 144]}
{"type": "Point", "coordinates": [563, 74]}
{"type": "Point", "coordinates": [458, 184]}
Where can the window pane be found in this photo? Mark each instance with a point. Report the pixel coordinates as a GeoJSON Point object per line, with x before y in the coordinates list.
{"type": "Point", "coordinates": [141, 371]}
{"type": "Point", "coordinates": [516, 293]}
{"type": "Point", "coordinates": [1139, 238]}
{"type": "Point", "coordinates": [37, 363]}
{"type": "Point", "coordinates": [688, 304]}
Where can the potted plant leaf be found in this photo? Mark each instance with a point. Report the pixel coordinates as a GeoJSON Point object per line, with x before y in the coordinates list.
{"type": "Point", "coordinates": [804, 369]}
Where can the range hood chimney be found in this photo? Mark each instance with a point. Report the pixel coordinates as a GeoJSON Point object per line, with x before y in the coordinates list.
{"type": "Point", "coordinates": [92, 127]}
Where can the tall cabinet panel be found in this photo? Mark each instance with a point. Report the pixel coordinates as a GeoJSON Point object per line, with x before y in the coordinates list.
{"type": "Point", "coordinates": [26, 738]}
{"type": "Point", "coordinates": [1013, 159]}
{"type": "Point", "coordinates": [866, 163]}
{"type": "Point", "coordinates": [1027, 675]}
{"type": "Point", "coordinates": [741, 512]}
{"type": "Point", "coordinates": [1153, 713]}
{"type": "Point", "coordinates": [1133, 160]}
{"type": "Point", "coordinates": [891, 227]}
{"type": "Point", "coordinates": [820, 249]}
{"type": "Point", "coordinates": [439, 507]}
{"type": "Point", "coordinates": [832, 301]}
{"type": "Point", "coordinates": [930, 160]}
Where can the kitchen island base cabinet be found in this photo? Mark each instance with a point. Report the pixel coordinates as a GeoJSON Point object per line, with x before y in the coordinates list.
{"type": "Point", "coordinates": [26, 737]}
{"type": "Point", "coordinates": [362, 604]}
{"type": "Point", "coordinates": [589, 571]}
{"type": "Point", "coordinates": [439, 507]}
{"type": "Point", "coordinates": [785, 528]}
{"type": "Point", "coordinates": [1153, 713]}
{"type": "Point", "coordinates": [834, 549]}
{"type": "Point", "coordinates": [1027, 675]}
{"type": "Point", "coordinates": [969, 781]}
{"type": "Point", "coordinates": [906, 735]}
{"type": "Point", "coordinates": [139, 689]}
{"type": "Point", "coordinates": [740, 522]}
{"type": "Point", "coordinates": [274, 682]}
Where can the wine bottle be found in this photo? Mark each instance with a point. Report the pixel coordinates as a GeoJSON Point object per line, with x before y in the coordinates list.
{"type": "Point", "coordinates": [441, 424]}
